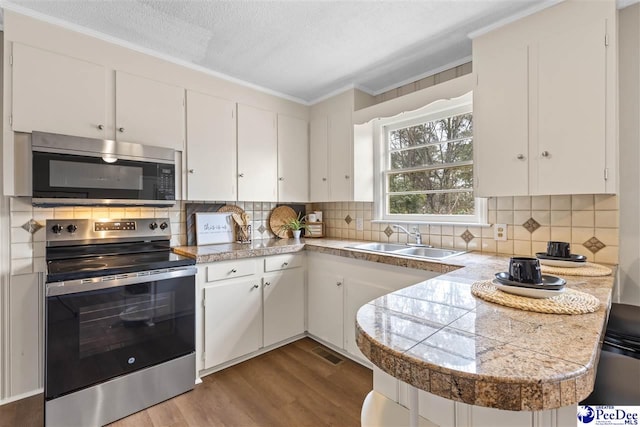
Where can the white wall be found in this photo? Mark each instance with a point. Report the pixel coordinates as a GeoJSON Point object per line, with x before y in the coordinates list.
{"type": "Point", "coordinates": [629, 115]}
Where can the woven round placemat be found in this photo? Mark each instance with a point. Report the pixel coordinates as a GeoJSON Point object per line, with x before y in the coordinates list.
{"type": "Point", "coordinates": [569, 302]}
{"type": "Point", "coordinates": [589, 269]}
{"type": "Point", "coordinates": [280, 216]}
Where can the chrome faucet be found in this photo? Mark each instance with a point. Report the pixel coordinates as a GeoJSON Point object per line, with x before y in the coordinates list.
{"type": "Point", "coordinates": [416, 234]}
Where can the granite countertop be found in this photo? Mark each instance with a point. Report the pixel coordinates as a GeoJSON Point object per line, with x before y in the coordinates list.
{"type": "Point", "coordinates": [227, 251]}
{"type": "Point", "coordinates": [265, 247]}
{"type": "Point", "coordinates": [438, 337]}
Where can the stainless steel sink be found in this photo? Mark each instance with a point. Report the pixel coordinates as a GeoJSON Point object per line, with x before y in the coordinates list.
{"type": "Point", "coordinates": [379, 247]}
{"type": "Point", "coordinates": [423, 252]}
{"type": "Point", "coordinates": [406, 250]}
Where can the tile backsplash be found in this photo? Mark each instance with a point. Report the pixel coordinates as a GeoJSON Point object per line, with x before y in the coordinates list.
{"type": "Point", "coordinates": [28, 249]}
{"type": "Point", "coordinates": [588, 222]}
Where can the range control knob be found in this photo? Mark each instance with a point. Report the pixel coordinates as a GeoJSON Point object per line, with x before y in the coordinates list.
{"type": "Point", "coordinates": [57, 229]}
{"type": "Point", "coordinates": [164, 226]}
{"type": "Point", "coordinates": [71, 228]}
{"type": "Point", "coordinates": [153, 225]}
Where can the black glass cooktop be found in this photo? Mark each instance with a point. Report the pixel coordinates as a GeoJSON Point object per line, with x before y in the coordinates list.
{"type": "Point", "coordinates": [111, 264]}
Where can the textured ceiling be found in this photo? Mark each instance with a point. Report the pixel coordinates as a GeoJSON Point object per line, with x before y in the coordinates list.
{"type": "Point", "coordinates": [301, 49]}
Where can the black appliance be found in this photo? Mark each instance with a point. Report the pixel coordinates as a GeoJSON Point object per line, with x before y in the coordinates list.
{"type": "Point", "coordinates": [119, 319]}
{"type": "Point", "coordinates": [617, 379]}
{"type": "Point", "coordinates": [70, 170]}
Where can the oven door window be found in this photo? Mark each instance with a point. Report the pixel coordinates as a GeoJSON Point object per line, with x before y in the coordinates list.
{"type": "Point", "coordinates": [98, 335]}
{"type": "Point", "coordinates": [83, 177]}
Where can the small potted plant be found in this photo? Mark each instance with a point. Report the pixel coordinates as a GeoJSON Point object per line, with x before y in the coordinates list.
{"type": "Point", "coordinates": [296, 225]}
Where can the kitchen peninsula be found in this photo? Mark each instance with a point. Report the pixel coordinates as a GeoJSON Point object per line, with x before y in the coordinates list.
{"type": "Point", "coordinates": [474, 359]}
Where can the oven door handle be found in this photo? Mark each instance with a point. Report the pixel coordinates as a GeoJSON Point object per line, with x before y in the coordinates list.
{"type": "Point", "coordinates": [105, 282]}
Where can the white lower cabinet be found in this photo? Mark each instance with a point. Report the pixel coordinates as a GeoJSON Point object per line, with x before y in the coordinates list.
{"type": "Point", "coordinates": [338, 287]}
{"type": "Point", "coordinates": [283, 302]}
{"type": "Point", "coordinates": [360, 291]}
{"type": "Point", "coordinates": [247, 307]}
{"type": "Point", "coordinates": [233, 320]}
{"type": "Point", "coordinates": [325, 303]}
{"type": "Point", "coordinates": [25, 324]}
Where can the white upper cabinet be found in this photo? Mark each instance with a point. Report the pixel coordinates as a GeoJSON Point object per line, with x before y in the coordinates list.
{"type": "Point", "coordinates": [331, 149]}
{"type": "Point", "coordinates": [257, 154]}
{"type": "Point", "coordinates": [57, 93]}
{"type": "Point", "coordinates": [544, 103]}
{"type": "Point", "coordinates": [318, 160]}
{"type": "Point", "coordinates": [149, 112]}
{"type": "Point", "coordinates": [340, 136]}
{"type": "Point", "coordinates": [500, 119]}
{"type": "Point", "coordinates": [569, 148]}
{"type": "Point", "coordinates": [211, 148]}
{"type": "Point", "coordinates": [293, 159]}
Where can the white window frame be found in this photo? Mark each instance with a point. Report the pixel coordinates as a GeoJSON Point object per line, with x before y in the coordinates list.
{"type": "Point", "coordinates": [433, 111]}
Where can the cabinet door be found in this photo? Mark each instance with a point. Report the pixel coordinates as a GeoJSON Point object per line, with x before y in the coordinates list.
{"type": "Point", "coordinates": [568, 149]}
{"type": "Point", "coordinates": [232, 320]}
{"type": "Point", "coordinates": [257, 154]}
{"type": "Point", "coordinates": [149, 112]}
{"type": "Point", "coordinates": [340, 138]}
{"type": "Point", "coordinates": [211, 148]}
{"type": "Point", "coordinates": [358, 293]}
{"type": "Point", "coordinates": [325, 311]}
{"type": "Point", "coordinates": [283, 305]}
{"type": "Point", "coordinates": [26, 327]}
{"type": "Point", "coordinates": [293, 159]}
{"type": "Point", "coordinates": [318, 160]}
{"type": "Point", "coordinates": [56, 93]}
{"type": "Point", "coordinates": [500, 118]}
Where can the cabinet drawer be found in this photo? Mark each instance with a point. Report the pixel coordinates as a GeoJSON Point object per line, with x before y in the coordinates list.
{"type": "Point", "coordinates": [231, 269]}
{"type": "Point", "coordinates": [282, 262]}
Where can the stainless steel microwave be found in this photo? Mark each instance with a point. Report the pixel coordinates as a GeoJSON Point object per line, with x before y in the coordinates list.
{"type": "Point", "coordinates": [70, 170]}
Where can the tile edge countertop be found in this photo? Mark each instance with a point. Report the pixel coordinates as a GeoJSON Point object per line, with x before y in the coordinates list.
{"type": "Point", "coordinates": [439, 338]}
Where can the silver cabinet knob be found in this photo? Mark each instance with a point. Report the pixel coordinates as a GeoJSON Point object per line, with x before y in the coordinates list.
{"type": "Point", "coordinates": [520, 157]}
{"type": "Point", "coordinates": [234, 270]}
{"type": "Point", "coordinates": [324, 179]}
{"type": "Point", "coordinates": [100, 127]}
{"type": "Point", "coordinates": [120, 129]}
{"type": "Point", "coordinates": [241, 175]}
{"type": "Point", "coordinates": [281, 178]}
{"type": "Point", "coordinates": [347, 177]}
{"type": "Point", "coordinates": [284, 264]}
{"type": "Point", "coordinates": [267, 283]}
{"type": "Point", "coordinates": [545, 154]}
{"type": "Point", "coordinates": [191, 171]}
{"type": "Point", "coordinates": [339, 284]}
{"type": "Point", "coordinates": [255, 286]}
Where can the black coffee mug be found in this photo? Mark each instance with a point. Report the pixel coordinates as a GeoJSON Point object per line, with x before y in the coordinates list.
{"type": "Point", "coordinates": [559, 249]}
{"type": "Point", "coordinates": [525, 270]}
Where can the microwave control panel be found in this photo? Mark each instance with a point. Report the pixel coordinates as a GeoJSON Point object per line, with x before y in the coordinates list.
{"type": "Point", "coordinates": [166, 182]}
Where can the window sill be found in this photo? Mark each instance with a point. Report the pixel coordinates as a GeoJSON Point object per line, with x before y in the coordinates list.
{"type": "Point", "coordinates": [463, 224]}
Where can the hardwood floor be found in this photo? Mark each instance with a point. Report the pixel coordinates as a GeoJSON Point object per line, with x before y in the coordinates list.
{"type": "Point", "coordinates": [289, 386]}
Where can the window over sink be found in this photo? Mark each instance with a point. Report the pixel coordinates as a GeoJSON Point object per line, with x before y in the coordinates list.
{"type": "Point", "coordinates": [425, 165]}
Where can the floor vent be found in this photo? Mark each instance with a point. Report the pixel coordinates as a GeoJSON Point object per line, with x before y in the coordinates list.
{"type": "Point", "coordinates": [329, 356]}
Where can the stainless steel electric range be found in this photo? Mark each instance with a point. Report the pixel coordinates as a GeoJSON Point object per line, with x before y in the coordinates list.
{"type": "Point", "coordinates": [119, 319]}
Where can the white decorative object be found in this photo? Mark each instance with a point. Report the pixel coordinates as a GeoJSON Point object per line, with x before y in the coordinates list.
{"type": "Point", "coordinates": [214, 228]}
